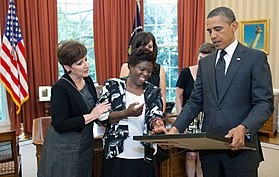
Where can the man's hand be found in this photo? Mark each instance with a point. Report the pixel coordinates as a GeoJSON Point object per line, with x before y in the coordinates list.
{"type": "Point", "coordinates": [173, 130]}
{"type": "Point", "coordinates": [237, 135]}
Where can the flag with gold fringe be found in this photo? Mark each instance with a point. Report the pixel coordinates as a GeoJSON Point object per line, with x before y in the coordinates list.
{"type": "Point", "coordinates": [13, 71]}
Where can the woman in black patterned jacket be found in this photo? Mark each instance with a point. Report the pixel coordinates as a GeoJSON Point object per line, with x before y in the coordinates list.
{"type": "Point", "coordinates": [136, 109]}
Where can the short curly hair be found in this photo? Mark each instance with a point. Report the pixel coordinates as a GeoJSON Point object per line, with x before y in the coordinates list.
{"type": "Point", "coordinates": [139, 55]}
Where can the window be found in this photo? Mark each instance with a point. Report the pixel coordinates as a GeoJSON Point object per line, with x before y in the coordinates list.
{"type": "Point", "coordinates": [75, 21]}
{"type": "Point", "coordinates": [1, 117]}
{"type": "Point", "coordinates": [160, 18]}
{"type": "Point", "coordinates": [3, 101]}
{"type": "Point", "coordinates": [3, 106]}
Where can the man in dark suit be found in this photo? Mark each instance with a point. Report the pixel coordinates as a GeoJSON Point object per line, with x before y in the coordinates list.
{"type": "Point", "coordinates": [236, 103]}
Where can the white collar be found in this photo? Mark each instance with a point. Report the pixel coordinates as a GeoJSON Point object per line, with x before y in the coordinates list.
{"type": "Point", "coordinates": [231, 48]}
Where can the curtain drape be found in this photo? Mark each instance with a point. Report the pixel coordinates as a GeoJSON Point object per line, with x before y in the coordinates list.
{"type": "Point", "coordinates": [38, 23]}
{"type": "Point", "coordinates": [191, 30]}
{"type": "Point", "coordinates": [113, 22]}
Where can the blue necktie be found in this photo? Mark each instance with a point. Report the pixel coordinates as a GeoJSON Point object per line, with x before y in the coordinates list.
{"type": "Point", "coordinates": [220, 72]}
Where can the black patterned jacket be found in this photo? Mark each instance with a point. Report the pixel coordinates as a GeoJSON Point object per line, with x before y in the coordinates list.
{"type": "Point", "coordinates": [114, 91]}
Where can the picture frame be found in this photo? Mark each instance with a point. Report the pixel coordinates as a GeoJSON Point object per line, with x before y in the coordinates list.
{"type": "Point", "coordinates": [255, 34]}
{"type": "Point", "coordinates": [44, 93]}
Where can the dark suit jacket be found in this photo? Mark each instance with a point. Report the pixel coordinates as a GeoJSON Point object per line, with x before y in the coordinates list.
{"type": "Point", "coordinates": [246, 98]}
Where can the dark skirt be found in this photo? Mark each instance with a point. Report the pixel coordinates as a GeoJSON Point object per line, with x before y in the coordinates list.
{"type": "Point", "coordinates": [67, 154]}
{"type": "Point", "coordinates": [118, 167]}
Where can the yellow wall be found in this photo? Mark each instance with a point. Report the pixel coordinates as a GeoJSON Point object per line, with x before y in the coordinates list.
{"type": "Point", "coordinates": [256, 10]}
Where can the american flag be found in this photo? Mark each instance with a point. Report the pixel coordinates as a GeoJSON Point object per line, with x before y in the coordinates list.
{"type": "Point", "coordinates": [13, 72]}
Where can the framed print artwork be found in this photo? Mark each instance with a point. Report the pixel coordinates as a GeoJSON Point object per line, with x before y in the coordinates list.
{"type": "Point", "coordinates": [255, 34]}
{"type": "Point", "coordinates": [44, 93]}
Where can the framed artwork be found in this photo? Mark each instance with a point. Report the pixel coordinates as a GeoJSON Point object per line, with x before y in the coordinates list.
{"type": "Point", "coordinates": [255, 34]}
{"type": "Point", "coordinates": [44, 93]}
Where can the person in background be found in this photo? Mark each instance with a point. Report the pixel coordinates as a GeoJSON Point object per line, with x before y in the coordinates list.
{"type": "Point", "coordinates": [184, 87]}
{"type": "Point", "coordinates": [233, 89]}
{"type": "Point", "coordinates": [187, 76]}
{"type": "Point", "coordinates": [158, 76]}
{"type": "Point", "coordinates": [68, 146]}
{"type": "Point", "coordinates": [136, 109]}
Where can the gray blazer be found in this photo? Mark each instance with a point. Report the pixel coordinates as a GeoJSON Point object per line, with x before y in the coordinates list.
{"type": "Point", "coordinates": [246, 98]}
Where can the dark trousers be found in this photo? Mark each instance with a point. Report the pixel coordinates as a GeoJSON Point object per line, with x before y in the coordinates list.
{"type": "Point", "coordinates": [214, 165]}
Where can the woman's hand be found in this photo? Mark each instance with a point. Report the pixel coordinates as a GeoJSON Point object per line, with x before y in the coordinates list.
{"type": "Point", "coordinates": [97, 112]}
{"type": "Point", "coordinates": [158, 126]}
{"type": "Point", "coordinates": [100, 109]}
{"type": "Point", "coordinates": [135, 109]}
{"type": "Point", "coordinates": [165, 146]}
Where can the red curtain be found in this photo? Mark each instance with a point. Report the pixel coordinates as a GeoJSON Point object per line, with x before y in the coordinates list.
{"type": "Point", "coordinates": [191, 29]}
{"type": "Point", "coordinates": [38, 23]}
{"type": "Point", "coordinates": [113, 22]}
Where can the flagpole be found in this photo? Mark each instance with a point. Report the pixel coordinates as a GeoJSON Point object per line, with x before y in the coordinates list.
{"type": "Point", "coordinates": [137, 27]}
{"type": "Point", "coordinates": [14, 53]}
{"type": "Point", "coordinates": [22, 136]}
{"type": "Point", "coordinates": [137, 6]}
{"type": "Point", "coordinates": [136, 19]}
